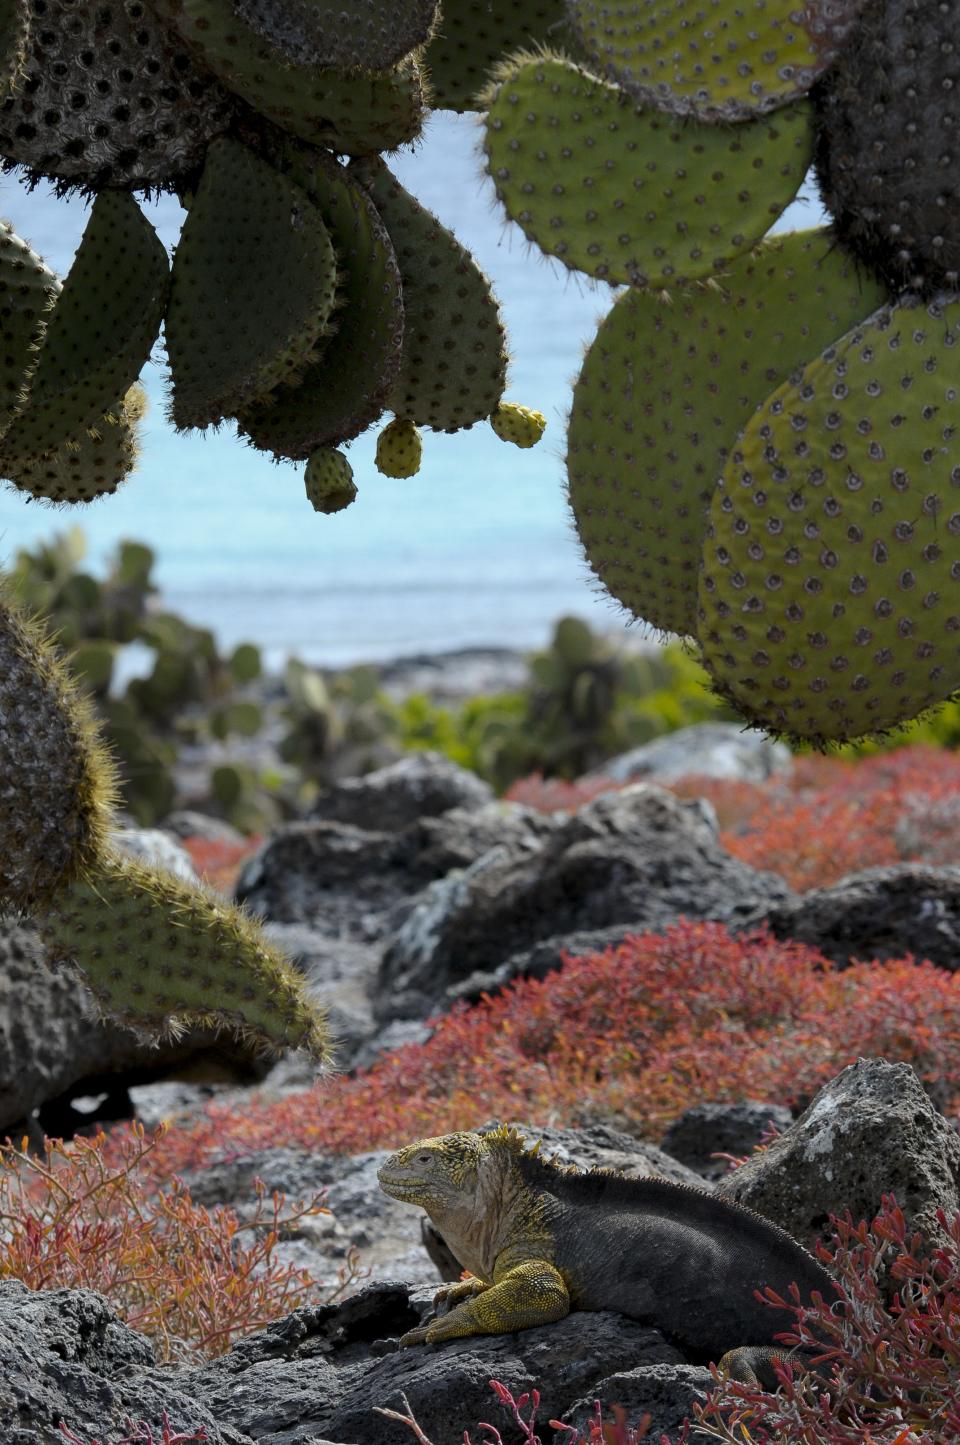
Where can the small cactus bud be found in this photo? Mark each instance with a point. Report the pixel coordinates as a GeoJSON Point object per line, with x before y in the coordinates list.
{"type": "Point", "coordinates": [518, 424]}
{"type": "Point", "coordinates": [329, 481]}
{"type": "Point", "coordinates": [399, 449]}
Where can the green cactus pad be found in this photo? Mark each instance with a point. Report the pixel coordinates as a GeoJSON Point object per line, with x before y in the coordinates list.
{"type": "Point", "coordinates": [162, 956]}
{"type": "Point", "coordinates": [829, 604]}
{"type": "Point", "coordinates": [14, 33]}
{"type": "Point", "coordinates": [28, 289]}
{"type": "Point", "coordinates": [90, 465]}
{"type": "Point", "coordinates": [665, 388]}
{"type": "Point", "coordinates": [58, 780]}
{"type": "Point", "coordinates": [453, 371]}
{"type": "Point", "coordinates": [329, 481]}
{"type": "Point", "coordinates": [373, 35]}
{"type": "Point", "coordinates": [100, 331]}
{"type": "Point", "coordinates": [109, 97]}
{"type": "Point", "coordinates": [634, 195]}
{"type": "Point", "coordinates": [399, 449]}
{"type": "Point", "coordinates": [345, 385]}
{"type": "Point", "coordinates": [353, 114]}
{"type": "Point", "coordinates": [473, 35]}
{"type": "Point", "coordinates": [254, 282]}
{"type": "Point", "coordinates": [720, 59]}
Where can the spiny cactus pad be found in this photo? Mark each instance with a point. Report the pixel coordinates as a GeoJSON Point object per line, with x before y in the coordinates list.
{"type": "Point", "coordinates": [454, 364]}
{"type": "Point", "coordinates": [58, 781]}
{"type": "Point", "coordinates": [100, 331]}
{"type": "Point", "coordinates": [830, 591]}
{"type": "Point", "coordinates": [399, 449]}
{"type": "Point", "coordinates": [160, 956]}
{"type": "Point", "coordinates": [28, 288]}
{"type": "Point", "coordinates": [14, 33]}
{"type": "Point", "coordinates": [344, 387]}
{"type": "Point", "coordinates": [628, 194]}
{"type": "Point", "coordinates": [666, 386]}
{"type": "Point", "coordinates": [518, 424]}
{"type": "Point", "coordinates": [254, 282]}
{"type": "Point", "coordinates": [109, 97]}
{"type": "Point", "coordinates": [329, 481]}
{"type": "Point", "coordinates": [372, 35]}
{"type": "Point", "coordinates": [351, 113]}
{"type": "Point", "coordinates": [92, 464]}
{"type": "Point", "coordinates": [473, 35]}
{"type": "Point", "coordinates": [888, 143]}
{"type": "Point", "coordinates": [720, 59]}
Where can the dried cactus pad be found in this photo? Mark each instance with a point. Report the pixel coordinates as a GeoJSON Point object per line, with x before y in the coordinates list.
{"type": "Point", "coordinates": [109, 97]}
{"type": "Point", "coordinates": [372, 35]}
{"type": "Point", "coordinates": [829, 603]}
{"type": "Point", "coordinates": [58, 781]}
{"type": "Point", "coordinates": [664, 390]}
{"type": "Point", "coordinates": [631, 194]}
{"type": "Point", "coordinates": [720, 59]}
{"type": "Point", "coordinates": [100, 331]}
{"type": "Point", "coordinates": [254, 281]}
{"type": "Point", "coordinates": [161, 955]}
{"type": "Point", "coordinates": [350, 373]}
{"type": "Point", "coordinates": [473, 35]}
{"type": "Point", "coordinates": [92, 464]}
{"type": "Point", "coordinates": [28, 288]}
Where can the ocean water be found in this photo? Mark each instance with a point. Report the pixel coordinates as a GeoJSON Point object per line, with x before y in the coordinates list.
{"type": "Point", "coordinates": [475, 550]}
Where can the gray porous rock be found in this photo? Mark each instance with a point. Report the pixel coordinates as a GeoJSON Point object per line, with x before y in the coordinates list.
{"type": "Point", "coordinates": [157, 849]}
{"type": "Point", "coordinates": [879, 913]}
{"type": "Point", "coordinates": [418, 785]}
{"type": "Point", "coordinates": [701, 1132]}
{"type": "Point", "coordinates": [185, 823]}
{"type": "Point", "coordinates": [638, 859]}
{"type": "Point", "coordinates": [707, 750]}
{"type": "Point", "coordinates": [667, 1393]}
{"type": "Point", "coordinates": [870, 1131]}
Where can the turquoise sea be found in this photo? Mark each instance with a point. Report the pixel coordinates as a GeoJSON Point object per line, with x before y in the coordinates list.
{"type": "Point", "coordinates": [475, 550]}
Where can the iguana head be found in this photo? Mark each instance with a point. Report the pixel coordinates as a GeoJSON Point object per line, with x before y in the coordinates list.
{"type": "Point", "coordinates": [438, 1174]}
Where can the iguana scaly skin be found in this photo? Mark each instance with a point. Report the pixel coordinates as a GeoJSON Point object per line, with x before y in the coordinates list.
{"type": "Point", "coordinates": [540, 1240]}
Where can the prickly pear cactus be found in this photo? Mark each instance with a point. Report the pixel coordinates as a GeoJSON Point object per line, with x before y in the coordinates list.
{"type": "Point", "coordinates": [329, 481]}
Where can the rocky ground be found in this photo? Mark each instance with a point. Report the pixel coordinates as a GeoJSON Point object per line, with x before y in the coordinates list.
{"type": "Point", "coordinates": [405, 890]}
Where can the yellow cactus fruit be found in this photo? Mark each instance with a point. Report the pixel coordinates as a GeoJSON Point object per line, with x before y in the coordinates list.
{"type": "Point", "coordinates": [329, 481]}
{"type": "Point", "coordinates": [518, 424]}
{"type": "Point", "coordinates": [399, 449]}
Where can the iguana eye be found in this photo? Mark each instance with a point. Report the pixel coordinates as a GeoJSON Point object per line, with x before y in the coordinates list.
{"type": "Point", "coordinates": [424, 1158]}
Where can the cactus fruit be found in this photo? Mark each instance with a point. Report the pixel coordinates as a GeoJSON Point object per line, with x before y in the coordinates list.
{"type": "Point", "coordinates": [518, 424]}
{"type": "Point", "coordinates": [236, 328]}
{"type": "Point", "coordinates": [352, 113]}
{"type": "Point", "coordinates": [399, 449]}
{"type": "Point", "coordinates": [632, 194]}
{"type": "Point", "coordinates": [57, 778]}
{"type": "Point", "coordinates": [349, 374]}
{"type": "Point", "coordinates": [92, 464]}
{"type": "Point", "coordinates": [829, 603]}
{"type": "Point", "coordinates": [161, 955]}
{"type": "Point", "coordinates": [719, 59]}
{"type": "Point", "coordinates": [99, 333]}
{"type": "Point", "coordinates": [888, 143]}
{"type": "Point", "coordinates": [473, 35]}
{"type": "Point", "coordinates": [28, 289]}
{"type": "Point", "coordinates": [329, 481]}
{"type": "Point", "coordinates": [665, 388]}
{"type": "Point", "coordinates": [109, 97]}
{"type": "Point", "coordinates": [454, 364]}
{"type": "Point", "coordinates": [313, 32]}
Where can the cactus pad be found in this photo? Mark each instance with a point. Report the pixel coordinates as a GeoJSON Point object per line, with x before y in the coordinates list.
{"type": "Point", "coordinates": [92, 464]}
{"type": "Point", "coordinates": [473, 35]}
{"type": "Point", "coordinates": [109, 97]}
{"type": "Point", "coordinates": [634, 195]}
{"type": "Point", "coordinates": [518, 424]}
{"type": "Point", "coordinates": [830, 590]}
{"type": "Point", "coordinates": [14, 32]}
{"type": "Point", "coordinates": [254, 282]}
{"type": "Point", "coordinates": [720, 59]}
{"type": "Point", "coordinates": [399, 449]}
{"type": "Point", "coordinates": [100, 331]}
{"type": "Point", "coordinates": [665, 388]}
{"type": "Point", "coordinates": [351, 113]}
{"type": "Point", "coordinates": [58, 782]}
{"type": "Point", "coordinates": [454, 364]}
{"type": "Point", "coordinates": [888, 143]}
{"type": "Point", "coordinates": [161, 956]}
{"type": "Point", "coordinates": [374, 35]}
{"type": "Point", "coordinates": [329, 481]}
{"type": "Point", "coordinates": [28, 288]}
{"type": "Point", "coordinates": [344, 387]}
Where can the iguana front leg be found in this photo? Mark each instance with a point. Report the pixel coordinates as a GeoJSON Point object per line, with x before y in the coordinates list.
{"type": "Point", "coordinates": [531, 1293]}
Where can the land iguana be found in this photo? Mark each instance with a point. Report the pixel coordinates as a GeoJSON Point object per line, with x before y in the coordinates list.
{"type": "Point", "coordinates": [540, 1240]}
